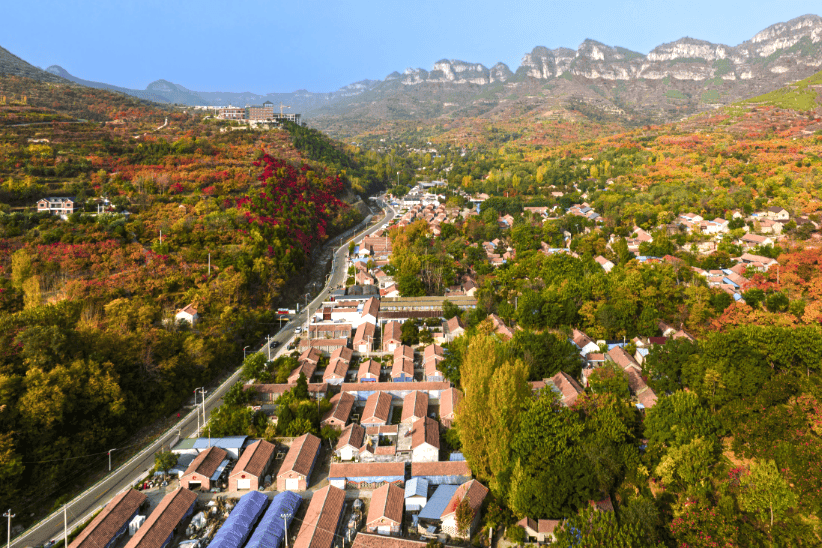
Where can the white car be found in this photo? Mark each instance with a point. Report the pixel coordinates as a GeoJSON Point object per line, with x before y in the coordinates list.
{"type": "Point", "coordinates": [298, 330]}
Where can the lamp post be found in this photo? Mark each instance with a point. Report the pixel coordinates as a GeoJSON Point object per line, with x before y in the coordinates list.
{"type": "Point", "coordinates": [198, 409]}
{"type": "Point", "coordinates": [203, 392]}
{"type": "Point", "coordinates": [398, 178]}
{"type": "Point", "coordinates": [285, 527]}
{"type": "Point", "coordinates": [109, 458]}
{"type": "Point", "coordinates": [244, 349]}
{"type": "Point", "coordinates": [9, 515]}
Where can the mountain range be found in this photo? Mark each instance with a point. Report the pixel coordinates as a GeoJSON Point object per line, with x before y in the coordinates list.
{"type": "Point", "coordinates": [673, 80]}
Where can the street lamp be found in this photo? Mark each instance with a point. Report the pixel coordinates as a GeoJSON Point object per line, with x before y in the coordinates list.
{"type": "Point", "coordinates": [244, 349]}
{"type": "Point", "coordinates": [203, 392]}
{"type": "Point", "coordinates": [198, 409]}
{"type": "Point", "coordinates": [398, 178]}
{"type": "Point", "coordinates": [285, 527]}
{"type": "Point", "coordinates": [109, 458]}
{"type": "Point", "coordinates": [9, 515]}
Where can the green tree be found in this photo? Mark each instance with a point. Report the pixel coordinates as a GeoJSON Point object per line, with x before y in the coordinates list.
{"type": "Point", "coordinates": [687, 465]}
{"type": "Point", "coordinates": [676, 420]}
{"type": "Point", "coordinates": [410, 332]}
{"type": "Point", "coordinates": [300, 390]}
{"type": "Point", "coordinates": [592, 528]}
{"type": "Point", "coordinates": [545, 354]}
{"type": "Point", "coordinates": [516, 534]}
{"type": "Point", "coordinates": [254, 367]}
{"type": "Point", "coordinates": [610, 379]}
{"type": "Point", "coordinates": [165, 460]}
{"type": "Point", "coordinates": [449, 309]}
{"type": "Point", "coordinates": [465, 515]}
{"type": "Point", "coordinates": [765, 491]}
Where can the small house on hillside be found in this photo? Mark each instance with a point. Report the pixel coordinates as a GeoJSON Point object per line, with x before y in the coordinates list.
{"type": "Point", "coordinates": [187, 314]}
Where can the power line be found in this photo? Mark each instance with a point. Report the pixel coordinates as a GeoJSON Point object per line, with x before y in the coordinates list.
{"type": "Point", "coordinates": [81, 456]}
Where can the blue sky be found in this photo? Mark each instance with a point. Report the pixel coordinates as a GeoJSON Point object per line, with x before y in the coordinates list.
{"type": "Point", "coordinates": [273, 46]}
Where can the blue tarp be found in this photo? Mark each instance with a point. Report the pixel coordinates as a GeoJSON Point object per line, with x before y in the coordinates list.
{"type": "Point", "coordinates": [438, 502]}
{"type": "Point", "coordinates": [456, 457]}
{"type": "Point", "coordinates": [270, 532]}
{"type": "Point", "coordinates": [241, 521]}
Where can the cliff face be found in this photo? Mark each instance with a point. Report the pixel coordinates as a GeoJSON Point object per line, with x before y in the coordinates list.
{"type": "Point", "coordinates": [776, 50]}
{"type": "Point", "coordinates": [673, 80]}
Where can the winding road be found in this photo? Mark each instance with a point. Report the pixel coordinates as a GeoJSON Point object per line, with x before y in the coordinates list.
{"type": "Point", "coordinates": [88, 502]}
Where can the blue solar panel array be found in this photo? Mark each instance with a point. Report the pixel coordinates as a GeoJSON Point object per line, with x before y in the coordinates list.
{"type": "Point", "coordinates": [270, 533]}
{"type": "Point", "coordinates": [241, 521]}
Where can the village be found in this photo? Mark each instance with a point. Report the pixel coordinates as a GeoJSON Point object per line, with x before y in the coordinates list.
{"type": "Point", "coordinates": [390, 479]}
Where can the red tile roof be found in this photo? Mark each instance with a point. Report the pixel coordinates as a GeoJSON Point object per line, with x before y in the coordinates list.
{"type": "Point", "coordinates": [110, 520]}
{"type": "Point", "coordinates": [254, 459]}
{"type": "Point", "coordinates": [433, 352]}
{"type": "Point", "coordinates": [365, 333]}
{"type": "Point", "coordinates": [307, 368]}
{"type": "Point", "coordinates": [321, 519]}
{"type": "Point", "coordinates": [425, 431]}
{"type": "Point", "coordinates": [392, 331]}
{"type": "Point", "coordinates": [311, 354]}
{"type": "Point", "coordinates": [352, 435]}
{"type": "Point", "coordinates": [449, 401]}
{"type": "Point", "coordinates": [161, 523]}
{"type": "Point", "coordinates": [377, 408]}
{"type": "Point", "coordinates": [342, 404]}
{"type": "Point", "coordinates": [207, 462]}
{"type": "Point", "coordinates": [369, 367]}
{"type": "Point", "coordinates": [474, 490]}
{"type": "Point", "coordinates": [336, 369]}
{"type": "Point", "coordinates": [377, 386]}
{"type": "Point", "coordinates": [404, 352]}
{"type": "Point", "coordinates": [387, 502]}
{"type": "Point", "coordinates": [441, 468]}
{"type": "Point", "coordinates": [301, 455]}
{"type": "Point", "coordinates": [414, 405]}
{"type": "Point", "coordinates": [366, 469]}
{"type": "Point", "coordinates": [567, 386]}
{"type": "Point", "coordinates": [619, 356]}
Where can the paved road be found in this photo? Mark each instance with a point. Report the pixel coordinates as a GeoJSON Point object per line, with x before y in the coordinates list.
{"type": "Point", "coordinates": [135, 469]}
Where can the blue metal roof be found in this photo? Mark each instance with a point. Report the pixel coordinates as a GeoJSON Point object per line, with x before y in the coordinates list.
{"type": "Point", "coordinates": [239, 523]}
{"type": "Point", "coordinates": [270, 531]}
{"type": "Point", "coordinates": [233, 442]}
{"type": "Point", "coordinates": [456, 457]}
{"type": "Point", "coordinates": [438, 502]}
{"type": "Point", "coordinates": [416, 487]}
{"type": "Point", "coordinates": [216, 475]}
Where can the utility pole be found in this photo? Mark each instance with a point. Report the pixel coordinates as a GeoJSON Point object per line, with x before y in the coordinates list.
{"type": "Point", "coordinates": [65, 525]}
{"type": "Point", "coordinates": [9, 515]}
{"type": "Point", "coordinates": [200, 389]}
{"type": "Point", "coordinates": [203, 392]}
{"type": "Point", "coordinates": [268, 338]}
{"type": "Point", "coordinates": [285, 527]}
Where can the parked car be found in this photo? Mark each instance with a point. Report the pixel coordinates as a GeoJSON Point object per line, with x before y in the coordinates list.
{"type": "Point", "coordinates": [298, 330]}
{"type": "Point", "coordinates": [275, 344]}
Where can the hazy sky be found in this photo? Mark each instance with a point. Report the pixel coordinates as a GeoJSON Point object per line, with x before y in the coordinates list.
{"type": "Point", "coordinates": [275, 46]}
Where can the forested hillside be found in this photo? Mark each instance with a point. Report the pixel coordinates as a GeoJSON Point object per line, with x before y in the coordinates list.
{"type": "Point", "coordinates": [90, 349]}
{"type": "Point", "coordinates": [726, 451]}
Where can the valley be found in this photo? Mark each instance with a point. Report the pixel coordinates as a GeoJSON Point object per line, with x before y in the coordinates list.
{"type": "Point", "coordinates": [574, 303]}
